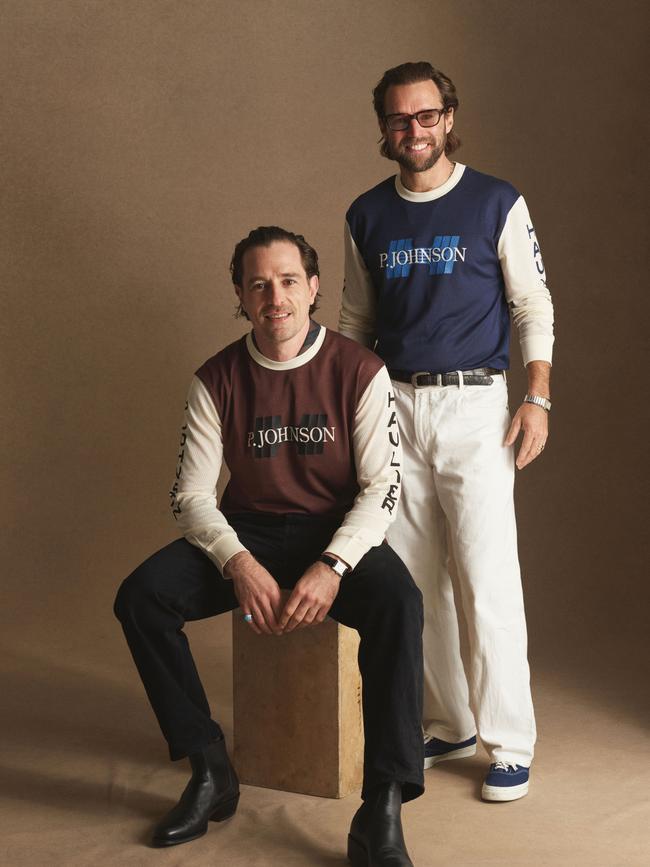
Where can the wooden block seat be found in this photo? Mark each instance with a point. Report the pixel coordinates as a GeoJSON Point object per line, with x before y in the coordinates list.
{"type": "Point", "coordinates": [297, 709]}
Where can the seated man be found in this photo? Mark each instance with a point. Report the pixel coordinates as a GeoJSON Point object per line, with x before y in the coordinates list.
{"type": "Point", "coordinates": [304, 419]}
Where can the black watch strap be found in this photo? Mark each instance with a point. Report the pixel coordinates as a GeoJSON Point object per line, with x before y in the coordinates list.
{"type": "Point", "coordinates": [337, 565]}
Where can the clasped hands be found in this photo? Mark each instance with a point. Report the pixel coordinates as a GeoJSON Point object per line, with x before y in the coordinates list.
{"type": "Point", "coordinates": [259, 594]}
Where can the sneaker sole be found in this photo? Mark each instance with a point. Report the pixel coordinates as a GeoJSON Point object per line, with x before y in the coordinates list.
{"type": "Point", "coordinates": [452, 754]}
{"type": "Point", "coordinates": [503, 793]}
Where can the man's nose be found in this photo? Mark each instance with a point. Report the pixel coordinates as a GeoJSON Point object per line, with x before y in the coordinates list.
{"type": "Point", "coordinates": [276, 294]}
{"type": "Point", "coordinates": [414, 128]}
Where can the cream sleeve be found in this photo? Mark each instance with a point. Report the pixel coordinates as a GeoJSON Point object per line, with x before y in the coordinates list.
{"type": "Point", "coordinates": [194, 491]}
{"type": "Point", "coordinates": [526, 291]}
{"type": "Point", "coordinates": [358, 303]}
{"type": "Point", "coordinates": [378, 461]}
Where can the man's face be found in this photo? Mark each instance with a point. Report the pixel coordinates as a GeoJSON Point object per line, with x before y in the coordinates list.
{"type": "Point", "coordinates": [416, 148]}
{"type": "Point", "coordinates": [276, 292]}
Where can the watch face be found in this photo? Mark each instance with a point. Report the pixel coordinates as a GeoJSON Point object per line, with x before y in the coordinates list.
{"type": "Point", "coordinates": [337, 565]}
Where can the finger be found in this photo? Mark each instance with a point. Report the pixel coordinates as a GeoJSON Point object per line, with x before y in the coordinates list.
{"type": "Point", "coordinates": [313, 618]}
{"type": "Point", "coordinates": [522, 458]}
{"type": "Point", "coordinates": [309, 619]}
{"type": "Point", "coordinates": [252, 623]}
{"type": "Point", "coordinates": [537, 450]}
{"type": "Point", "coordinates": [528, 452]}
{"type": "Point", "coordinates": [513, 432]}
{"type": "Point", "coordinates": [290, 606]}
{"type": "Point", "coordinates": [270, 617]}
{"type": "Point", "coordinates": [275, 601]}
{"type": "Point", "coordinates": [297, 616]}
{"type": "Point", "coordinates": [526, 445]}
{"type": "Point", "coordinates": [315, 615]}
{"type": "Point", "coordinates": [265, 602]}
{"type": "Point", "coordinates": [259, 619]}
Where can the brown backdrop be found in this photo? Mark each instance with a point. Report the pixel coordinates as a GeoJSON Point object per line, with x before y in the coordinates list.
{"type": "Point", "coordinates": [143, 139]}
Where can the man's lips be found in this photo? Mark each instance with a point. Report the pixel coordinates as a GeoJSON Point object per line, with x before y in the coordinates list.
{"type": "Point", "coordinates": [277, 316]}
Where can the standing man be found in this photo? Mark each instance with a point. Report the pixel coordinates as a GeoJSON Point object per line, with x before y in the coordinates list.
{"type": "Point", "coordinates": [437, 258]}
{"type": "Point", "coordinates": [305, 420]}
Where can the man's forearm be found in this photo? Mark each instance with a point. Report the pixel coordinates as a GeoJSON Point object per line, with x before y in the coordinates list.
{"type": "Point", "coordinates": [238, 565]}
{"type": "Point", "coordinates": [539, 378]}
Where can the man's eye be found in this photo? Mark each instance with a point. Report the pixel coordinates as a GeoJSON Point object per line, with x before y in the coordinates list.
{"type": "Point", "coordinates": [289, 281]}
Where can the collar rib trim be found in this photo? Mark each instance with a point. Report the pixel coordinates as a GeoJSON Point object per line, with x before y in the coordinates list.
{"type": "Point", "coordinates": [292, 363]}
{"type": "Point", "coordinates": [430, 195]}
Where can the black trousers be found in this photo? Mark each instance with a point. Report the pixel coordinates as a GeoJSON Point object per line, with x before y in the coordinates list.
{"type": "Point", "coordinates": [378, 598]}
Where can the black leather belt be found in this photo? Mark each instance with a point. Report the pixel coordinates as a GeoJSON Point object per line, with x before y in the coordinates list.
{"type": "Point", "coordinates": [423, 378]}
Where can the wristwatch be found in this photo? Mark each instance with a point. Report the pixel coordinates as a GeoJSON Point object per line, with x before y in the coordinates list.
{"type": "Point", "coordinates": [538, 401]}
{"type": "Point", "coordinates": [334, 563]}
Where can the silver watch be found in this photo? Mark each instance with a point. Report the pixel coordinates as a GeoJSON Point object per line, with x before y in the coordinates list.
{"type": "Point", "coordinates": [538, 401]}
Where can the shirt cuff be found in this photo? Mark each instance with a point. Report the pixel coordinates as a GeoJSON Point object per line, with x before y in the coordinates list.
{"type": "Point", "coordinates": [348, 548]}
{"type": "Point", "coordinates": [222, 550]}
{"type": "Point", "coordinates": [537, 347]}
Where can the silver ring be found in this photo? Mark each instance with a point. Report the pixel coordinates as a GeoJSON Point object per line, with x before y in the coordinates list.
{"type": "Point", "coordinates": [248, 618]}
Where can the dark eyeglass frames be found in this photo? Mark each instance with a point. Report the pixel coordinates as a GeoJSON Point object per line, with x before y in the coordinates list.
{"type": "Point", "coordinates": [426, 118]}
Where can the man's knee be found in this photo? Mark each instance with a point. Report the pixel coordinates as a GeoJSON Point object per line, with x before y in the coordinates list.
{"type": "Point", "coordinates": [407, 597]}
{"type": "Point", "coordinates": [393, 586]}
{"type": "Point", "coordinates": [135, 593]}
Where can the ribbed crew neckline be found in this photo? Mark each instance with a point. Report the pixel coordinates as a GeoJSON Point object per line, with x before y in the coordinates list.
{"type": "Point", "coordinates": [292, 363]}
{"type": "Point", "coordinates": [430, 195]}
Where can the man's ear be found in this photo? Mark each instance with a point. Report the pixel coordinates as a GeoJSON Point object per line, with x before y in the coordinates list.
{"type": "Point", "coordinates": [449, 120]}
{"type": "Point", "coordinates": [240, 310]}
{"type": "Point", "coordinates": [314, 286]}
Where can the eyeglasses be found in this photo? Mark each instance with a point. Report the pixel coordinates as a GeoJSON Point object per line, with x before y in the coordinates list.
{"type": "Point", "coordinates": [426, 117]}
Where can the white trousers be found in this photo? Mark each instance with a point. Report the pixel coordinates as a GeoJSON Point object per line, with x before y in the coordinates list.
{"type": "Point", "coordinates": [457, 512]}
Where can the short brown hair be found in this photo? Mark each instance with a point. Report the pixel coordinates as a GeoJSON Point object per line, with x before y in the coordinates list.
{"type": "Point", "coordinates": [411, 73]}
{"type": "Point", "coordinates": [264, 236]}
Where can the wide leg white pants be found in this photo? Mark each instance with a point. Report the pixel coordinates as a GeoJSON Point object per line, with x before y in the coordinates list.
{"type": "Point", "coordinates": [458, 491]}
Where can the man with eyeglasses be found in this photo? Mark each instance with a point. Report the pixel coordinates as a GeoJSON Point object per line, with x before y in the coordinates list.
{"type": "Point", "coordinates": [437, 260]}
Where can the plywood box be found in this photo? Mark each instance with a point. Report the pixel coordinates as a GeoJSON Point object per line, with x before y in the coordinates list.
{"type": "Point", "coordinates": [297, 709]}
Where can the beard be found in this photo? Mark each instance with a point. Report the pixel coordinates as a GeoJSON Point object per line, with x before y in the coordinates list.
{"type": "Point", "coordinates": [414, 162]}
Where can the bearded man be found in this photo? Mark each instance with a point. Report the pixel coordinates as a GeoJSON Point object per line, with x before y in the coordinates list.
{"type": "Point", "coordinates": [437, 260]}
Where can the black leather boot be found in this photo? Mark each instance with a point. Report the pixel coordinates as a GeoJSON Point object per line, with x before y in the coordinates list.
{"type": "Point", "coordinates": [376, 838]}
{"type": "Point", "coordinates": [212, 793]}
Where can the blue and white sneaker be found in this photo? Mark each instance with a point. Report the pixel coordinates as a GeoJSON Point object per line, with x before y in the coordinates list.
{"type": "Point", "coordinates": [505, 782]}
{"type": "Point", "coordinates": [436, 750]}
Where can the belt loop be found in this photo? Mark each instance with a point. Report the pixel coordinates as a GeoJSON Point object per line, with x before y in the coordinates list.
{"type": "Point", "coordinates": [438, 379]}
{"type": "Point", "coordinates": [461, 380]}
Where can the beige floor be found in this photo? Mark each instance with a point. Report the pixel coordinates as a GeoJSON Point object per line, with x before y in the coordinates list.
{"type": "Point", "coordinates": [85, 775]}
